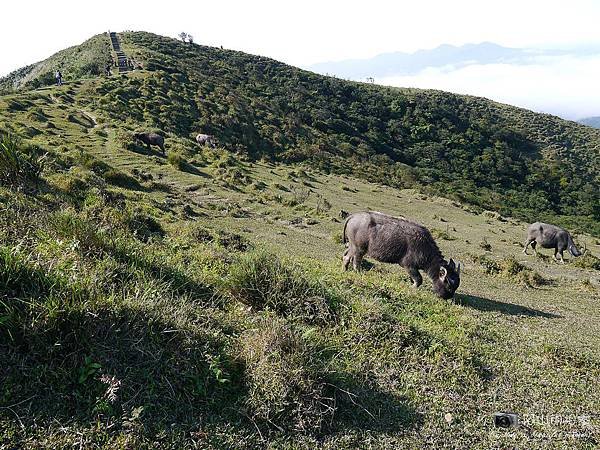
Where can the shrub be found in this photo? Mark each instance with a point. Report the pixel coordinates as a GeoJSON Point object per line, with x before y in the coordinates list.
{"type": "Point", "coordinates": [126, 140]}
{"type": "Point", "coordinates": [587, 261]}
{"type": "Point", "coordinates": [511, 268]}
{"type": "Point", "coordinates": [285, 383]}
{"type": "Point", "coordinates": [143, 226]}
{"type": "Point", "coordinates": [68, 225]}
{"type": "Point", "coordinates": [18, 164]}
{"type": "Point", "coordinates": [489, 265]}
{"type": "Point", "coordinates": [232, 241]}
{"type": "Point", "coordinates": [485, 245]}
{"type": "Point", "coordinates": [177, 161]}
{"type": "Point", "coordinates": [121, 179]}
{"type": "Point", "coordinates": [263, 281]}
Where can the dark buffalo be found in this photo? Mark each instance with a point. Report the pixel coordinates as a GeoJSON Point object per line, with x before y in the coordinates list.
{"type": "Point", "coordinates": [550, 236]}
{"type": "Point", "coordinates": [151, 139]}
{"type": "Point", "coordinates": [399, 241]}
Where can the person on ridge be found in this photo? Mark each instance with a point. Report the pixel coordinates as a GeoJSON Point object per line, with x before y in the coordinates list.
{"type": "Point", "coordinates": [58, 78]}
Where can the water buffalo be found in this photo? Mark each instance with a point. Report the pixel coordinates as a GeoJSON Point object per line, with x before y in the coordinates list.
{"type": "Point", "coordinates": [151, 139]}
{"type": "Point", "coordinates": [399, 241]}
{"type": "Point", "coordinates": [550, 236]}
{"type": "Point", "coordinates": [206, 139]}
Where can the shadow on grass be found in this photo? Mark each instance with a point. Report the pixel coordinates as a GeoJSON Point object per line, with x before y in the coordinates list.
{"type": "Point", "coordinates": [485, 304]}
{"type": "Point", "coordinates": [61, 374]}
{"type": "Point", "coordinates": [366, 408]}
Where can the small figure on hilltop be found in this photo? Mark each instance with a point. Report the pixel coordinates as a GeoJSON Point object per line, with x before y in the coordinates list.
{"type": "Point", "coordinates": [151, 139]}
{"type": "Point", "coordinates": [107, 70]}
{"type": "Point", "coordinates": [58, 77]}
{"type": "Point", "coordinates": [551, 236]}
{"type": "Point", "coordinates": [206, 139]}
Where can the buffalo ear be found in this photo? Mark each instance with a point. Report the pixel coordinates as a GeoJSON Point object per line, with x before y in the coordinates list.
{"type": "Point", "coordinates": [458, 269]}
{"type": "Point", "coordinates": [451, 263]}
{"type": "Point", "coordinates": [443, 273]}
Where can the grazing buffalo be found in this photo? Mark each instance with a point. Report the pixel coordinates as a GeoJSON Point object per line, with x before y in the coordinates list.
{"type": "Point", "coordinates": [151, 139]}
{"type": "Point", "coordinates": [550, 236]}
{"type": "Point", "coordinates": [206, 139]}
{"type": "Point", "coordinates": [399, 241]}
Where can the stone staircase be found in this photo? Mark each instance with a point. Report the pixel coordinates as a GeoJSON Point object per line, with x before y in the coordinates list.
{"type": "Point", "coordinates": [121, 56]}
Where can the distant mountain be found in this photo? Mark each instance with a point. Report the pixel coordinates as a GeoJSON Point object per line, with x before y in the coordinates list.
{"type": "Point", "coordinates": [591, 121]}
{"type": "Point", "coordinates": [398, 63]}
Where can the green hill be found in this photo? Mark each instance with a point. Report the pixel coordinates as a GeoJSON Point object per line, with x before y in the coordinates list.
{"type": "Point", "coordinates": [471, 149]}
{"type": "Point", "coordinates": [198, 299]}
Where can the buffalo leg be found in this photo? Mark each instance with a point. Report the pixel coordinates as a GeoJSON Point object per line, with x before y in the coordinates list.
{"type": "Point", "coordinates": [557, 252]}
{"type": "Point", "coordinates": [415, 276]}
{"type": "Point", "coordinates": [533, 245]}
{"type": "Point", "coordinates": [357, 256]}
{"type": "Point", "coordinates": [356, 261]}
{"type": "Point", "coordinates": [529, 241]}
{"type": "Point", "coordinates": [347, 259]}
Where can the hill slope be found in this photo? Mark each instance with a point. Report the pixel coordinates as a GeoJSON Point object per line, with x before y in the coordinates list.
{"type": "Point", "coordinates": [198, 299]}
{"type": "Point", "coordinates": [492, 155]}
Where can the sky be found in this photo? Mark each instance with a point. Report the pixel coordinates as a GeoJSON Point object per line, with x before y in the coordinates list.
{"type": "Point", "coordinates": [308, 31]}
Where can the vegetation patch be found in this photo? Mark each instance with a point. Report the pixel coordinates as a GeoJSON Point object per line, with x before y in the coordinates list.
{"type": "Point", "coordinates": [285, 380]}
{"type": "Point", "coordinates": [511, 268]}
{"type": "Point", "coordinates": [18, 164]}
{"type": "Point", "coordinates": [263, 281]}
{"type": "Point", "coordinates": [587, 261]}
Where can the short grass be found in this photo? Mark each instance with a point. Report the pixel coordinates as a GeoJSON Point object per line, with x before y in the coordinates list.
{"type": "Point", "coordinates": [148, 304]}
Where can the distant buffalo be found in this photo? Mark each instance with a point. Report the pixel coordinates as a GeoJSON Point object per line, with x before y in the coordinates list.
{"type": "Point", "coordinates": [550, 236]}
{"type": "Point", "coordinates": [151, 139]}
{"type": "Point", "coordinates": [206, 139]}
{"type": "Point", "coordinates": [399, 241]}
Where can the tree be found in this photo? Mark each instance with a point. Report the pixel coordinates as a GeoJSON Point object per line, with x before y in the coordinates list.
{"type": "Point", "coordinates": [186, 37]}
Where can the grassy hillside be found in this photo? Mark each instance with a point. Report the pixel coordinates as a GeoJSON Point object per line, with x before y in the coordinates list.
{"type": "Point", "coordinates": [80, 61]}
{"type": "Point", "coordinates": [150, 302]}
{"type": "Point", "coordinates": [470, 149]}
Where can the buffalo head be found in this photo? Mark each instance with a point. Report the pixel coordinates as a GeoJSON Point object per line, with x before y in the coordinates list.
{"type": "Point", "coordinates": [448, 279]}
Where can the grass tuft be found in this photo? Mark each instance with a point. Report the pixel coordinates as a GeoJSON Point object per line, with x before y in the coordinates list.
{"type": "Point", "coordinates": [263, 281]}
{"type": "Point", "coordinates": [285, 380]}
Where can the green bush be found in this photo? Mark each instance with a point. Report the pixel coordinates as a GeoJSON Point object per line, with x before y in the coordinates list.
{"type": "Point", "coordinates": [587, 261]}
{"type": "Point", "coordinates": [143, 226]}
{"type": "Point", "coordinates": [177, 161]}
{"type": "Point", "coordinates": [285, 380]}
{"type": "Point", "coordinates": [121, 179]}
{"type": "Point", "coordinates": [18, 163]}
{"type": "Point", "coordinates": [263, 281]}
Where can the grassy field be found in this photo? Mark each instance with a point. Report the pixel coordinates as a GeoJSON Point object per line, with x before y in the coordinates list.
{"type": "Point", "coordinates": [198, 301]}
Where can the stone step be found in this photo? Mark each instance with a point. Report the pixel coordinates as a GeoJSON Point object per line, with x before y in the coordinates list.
{"type": "Point", "coordinates": [122, 59]}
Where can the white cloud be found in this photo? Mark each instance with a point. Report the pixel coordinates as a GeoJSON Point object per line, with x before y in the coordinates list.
{"type": "Point", "coordinates": [565, 86]}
